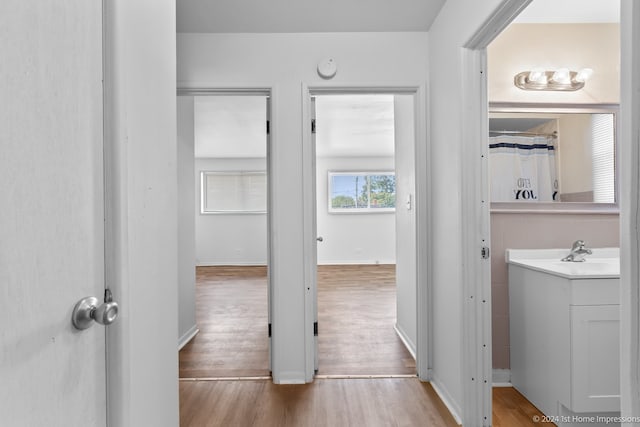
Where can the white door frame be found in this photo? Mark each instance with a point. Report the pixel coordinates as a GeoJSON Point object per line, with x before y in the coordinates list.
{"type": "Point", "coordinates": [477, 315]}
{"type": "Point", "coordinates": [476, 232]}
{"type": "Point", "coordinates": [629, 146]}
{"type": "Point", "coordinates": [251, 91]}
{"type": "Point", "coordinates": [423, 216]}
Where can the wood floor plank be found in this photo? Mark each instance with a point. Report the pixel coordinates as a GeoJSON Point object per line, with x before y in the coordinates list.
{"type": "Point", "coordinates": [348, 296]}
{"type": "Point", "coordinates": [510, 408]}
{"type": "Point", "coordinates": [356, 314]}
{"type": "Point", "coordinates": [334, 402]}
{"type": "Point", "coordinates": [231, 313]}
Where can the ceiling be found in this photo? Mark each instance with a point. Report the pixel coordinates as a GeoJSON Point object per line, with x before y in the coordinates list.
{"type": "Point", "coordinates": [570, 11]}
{"type": "Point", "coordinates": [307, 16]}
{"type": "Point", "coordinates": [515, 124]}
{"type": "Point", "coordinates": [230, 126]}
{"type": "Point", "coordinates": [354, 125]}
{"type": "Point", "coordinates": [347, 125]}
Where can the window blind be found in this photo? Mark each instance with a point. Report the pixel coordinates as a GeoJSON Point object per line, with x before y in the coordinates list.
{"type": "Point", "coordinates": [603, 153]}
{"type": "Point", "coordinates": [234, 192]}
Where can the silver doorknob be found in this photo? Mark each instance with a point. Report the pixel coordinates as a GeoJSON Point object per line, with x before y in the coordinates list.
{"type": "Point", "coordinates": [319, 239]}
{"type": "Point", "coordinates": [89, 309]}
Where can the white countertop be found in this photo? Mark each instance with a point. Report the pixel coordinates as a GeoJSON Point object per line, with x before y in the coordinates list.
{"type": "Point", "coordinates": [603, 263]}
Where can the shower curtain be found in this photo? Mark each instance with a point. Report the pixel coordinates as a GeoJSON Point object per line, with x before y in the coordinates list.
{"type": "Point", "coordinates": [523, 169]}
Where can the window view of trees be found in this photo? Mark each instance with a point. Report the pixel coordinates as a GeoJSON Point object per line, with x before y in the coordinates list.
{"type": "Point", "coordinates": [362, 191]}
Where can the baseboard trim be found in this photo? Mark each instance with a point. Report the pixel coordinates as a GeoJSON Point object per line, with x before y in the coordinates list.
{"type": "Point", "coordinates": [358, 262]}
{"type": "Point", "coordinates": [405, 340]}
{"type": "Point", "coordinates": [188, 336]}
{"type": "Point", "coordinates": [501, 377]}
{"type": "Point", "coordinates": [446, 398]}
{"type": "Point", "coordinates": [229, 264]}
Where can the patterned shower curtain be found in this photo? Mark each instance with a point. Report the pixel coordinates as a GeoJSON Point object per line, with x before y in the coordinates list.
{"type": "Point", "coordinates": [523, 169]}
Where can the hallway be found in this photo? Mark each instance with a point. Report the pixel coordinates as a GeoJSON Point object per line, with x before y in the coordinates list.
{"type": "Point", "coordinates": [356, 317]}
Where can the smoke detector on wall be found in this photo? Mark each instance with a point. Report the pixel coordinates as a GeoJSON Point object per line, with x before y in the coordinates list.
{"type": "Point", "coordinates": [327, 68]}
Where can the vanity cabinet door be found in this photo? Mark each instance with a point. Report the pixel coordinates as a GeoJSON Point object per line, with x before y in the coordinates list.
{"type": "Point", "coordinates": [595, 353]}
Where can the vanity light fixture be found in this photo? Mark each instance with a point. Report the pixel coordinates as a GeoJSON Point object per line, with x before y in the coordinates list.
{"type": "Point", "coordinates": [561, 79]}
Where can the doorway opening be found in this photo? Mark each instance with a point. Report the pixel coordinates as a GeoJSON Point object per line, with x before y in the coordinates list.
{"type": "Point", "coordinates": [229, 212]}
{"type": "Point", "coordinates": [366, 234]}
{"type": "Point", "coordinates": [570, 204]}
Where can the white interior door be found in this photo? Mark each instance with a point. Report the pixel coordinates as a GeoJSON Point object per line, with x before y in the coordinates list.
{"type": "Point", "coordinates": [52, 216]}
{"type": "Point", "coordinates": [314, 247]}
{"type": "Point", "coordinates": [269, 251]}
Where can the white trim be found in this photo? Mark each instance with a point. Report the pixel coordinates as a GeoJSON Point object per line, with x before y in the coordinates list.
{"type": "Point", "coordinates": [188, 336]}
{"type": "Point", "coordinates": [211, 379]}
{"type": "Point", "coordinates": [497, 22]}
{"type": "Point", "coordinates": [424, 250]}
{"type": "Point", "coordinates": [629, 146]}
{"type": "Point", "coordinates": [290, 377]}
{"type": "Point", "coordinates": [476, 334]}
{"type": "Point", "coordinates": [231, 264]}
{"type": "Point", "coordinates": [411, 347]}
{"type": "Point", "coordinates": [446, 398]}
{"type": "Point", "coordinates": [269, 91]}
{"type": "Point", "coordinates": [476, 272]}
{"type": "Point", "coordinates": [359, 262]}
{"type": "Point", "coordinates": [423, 217]}
{"type": "Point", "coordinates": [212, 88]}
{"type": "Point", "coordinates": [501, 378]}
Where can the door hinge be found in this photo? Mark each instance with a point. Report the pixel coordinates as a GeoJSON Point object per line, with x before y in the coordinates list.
{"type": "Point", "coordinates": [269, 330]}
{"type": "Point", "coordinates": [313, 125]}
{"type": "Point", "coordinates": [315, 329]}
{"type": "Point", "coordinates": [268, 127]}
{"type": "Point", "coordinates": [485, 252]}
{"type": "Point", "coordinates": [108, 296]}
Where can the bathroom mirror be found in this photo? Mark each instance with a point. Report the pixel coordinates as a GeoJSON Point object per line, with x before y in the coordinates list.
{"type": "Point", "coordinates": [553, 158]}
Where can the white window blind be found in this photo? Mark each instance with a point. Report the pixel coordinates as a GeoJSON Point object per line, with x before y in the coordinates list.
{"type": "Point", "coordinates": [603, 152]}
{"type": "Point", "coordinates": [234, 192]}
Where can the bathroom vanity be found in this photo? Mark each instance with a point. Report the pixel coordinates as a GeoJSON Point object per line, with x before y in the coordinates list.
{"type": "Point", "coordinates": [565, 332]}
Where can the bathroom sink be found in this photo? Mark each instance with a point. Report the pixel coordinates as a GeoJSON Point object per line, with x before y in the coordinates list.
{"type": "Point", "coordinates": [604, 263]}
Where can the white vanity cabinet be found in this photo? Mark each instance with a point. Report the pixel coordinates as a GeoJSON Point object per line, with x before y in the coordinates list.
{"type": "Point", "coordinates": [595, 358]}
{"type": "Point", "coordinates": [565, 336]}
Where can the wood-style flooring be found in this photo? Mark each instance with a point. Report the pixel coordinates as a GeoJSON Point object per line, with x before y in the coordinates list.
{"type": "Point", "coordinates": [325, 402]}
{"type": "Point", "coordinates": [512, 409]}
{"type": "Point", "coordinates": [231, 313]}
{"type": "Point", "coordinates": [356, 317]}
{"type": "Point", "coordinates": [356, 313]}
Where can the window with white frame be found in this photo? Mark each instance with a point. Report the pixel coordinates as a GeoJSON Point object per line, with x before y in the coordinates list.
{"type": "Point", "coordinates": [233, 192]}
{"type": "Point", "coordinates": [362, 192]}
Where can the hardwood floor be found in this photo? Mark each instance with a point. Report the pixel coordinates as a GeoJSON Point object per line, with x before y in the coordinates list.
{"type": "Point", "coordinates": [231, 313]}
{"type": "Point", "coordinates": [356, 318]}
{"type": "Point", "coordinates": [325, 402]}
{"type": "Point", "coordinates": [356, 313]}
{"type": "Point", "coordinates": [512, 409]}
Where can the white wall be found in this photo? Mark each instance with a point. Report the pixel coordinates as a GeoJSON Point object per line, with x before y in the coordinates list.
{"type": "Point", "coordinates": [283, 62]}
{"type": "Point", "coordinates": [405, 220]}
{"type": "Point", "coordinates": [140, 88]}
{"type": "Point", "coordinates": [229, 239]}
{"type": "Point", "coordinates": [353, 238]}
{"type": "Point", "coordinates": [186, 221]}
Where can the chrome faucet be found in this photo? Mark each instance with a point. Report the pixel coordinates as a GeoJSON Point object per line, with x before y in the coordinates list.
{"type": "Point", "coordinates": [578, 251]}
